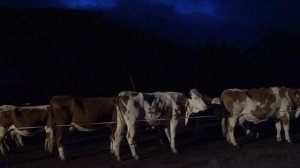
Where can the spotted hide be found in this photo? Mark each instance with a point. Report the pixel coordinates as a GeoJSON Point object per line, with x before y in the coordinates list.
{"type": "Point", "coordinates": [257, 105]}
{"type": "Point", "coordinates": [82, 114]}
{"type": "Point", "coordinates": [13, 118]}
{"type": "Point", "coordinates": [158, 108]}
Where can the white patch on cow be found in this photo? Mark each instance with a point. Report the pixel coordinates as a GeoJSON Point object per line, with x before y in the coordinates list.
{"type": "Point", "coordinates": [49, 140]}
{"type": "Point", "coordinates": [22, 132]}
{"type": "Point", "coordinates": [42, 107]}
{"type": "Point", "coordinates": [61, 153]}
{"type": "Point", "coordinates": [80, 128]}
{"type": "Point", "coordinates": [278, 131]}
{"type": "Point", "coordinates": [216, 100]}
{"type": "Point", "coordinates": [7, 107]}
{"type": "Point", "coordinates": [2, 144]}
{"type": "Point", "coordinates": [15, 136]}
{"type": "Point", "coordinates": [297, 112]}
{"type": "Point", "coordinates": [238, 106]}
{"type": "Point", "coordinates": [242, 120]}
{"type": "Point", "coordinates": [248, 132]}
{"type": "Point", "coordinates": [187, 114]}
{"type": "Point", "coordinates": [236, 90]}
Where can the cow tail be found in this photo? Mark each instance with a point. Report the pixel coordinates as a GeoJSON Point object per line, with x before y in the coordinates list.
{"type": "Point", "coordinates": [224, 120]}
{"type": "Point", "coordinates": [49, 140]}
{"type": "Point", "coordinates": [224, 123]}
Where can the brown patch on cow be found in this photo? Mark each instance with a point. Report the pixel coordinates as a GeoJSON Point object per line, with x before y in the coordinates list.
{"type": "Point", "coordinates": [182, 105]}
{"type": "Point", "coordinates": [155, 110]}
{"type": "Point", "coordinates": [207, 100]}
{"type": "Point", "coordinates": [230, 96]}
{"type": "Point", "coordinates": [262, 95]}
{"type": "Point", "coordinates": [284, 119]}
{"type": "Point", "coordinates": [294, 94]}
{"type": "Point", "coordinates": [261, 113]}
{"type": "Point", "coordinates": [5, 118]}
{"type": "Point", "coordinates": [265, 97]}
{"type": "Point", "coordinates": [282, 92]}
{"type": "Point", "coordinates": [135, 94]}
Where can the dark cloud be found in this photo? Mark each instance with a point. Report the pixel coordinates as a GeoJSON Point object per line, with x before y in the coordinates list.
{"type": "Point", "coordinates": [192, 22]}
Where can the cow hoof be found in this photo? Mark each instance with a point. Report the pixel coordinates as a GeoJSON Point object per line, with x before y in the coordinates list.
{"type": "Point", "coordinates": [290, 142]}
{"type": "Point", "coordinates": [279, 139]}
{"type": "Point", "coordinates": [118, 158]}
{"type": "Point", "coordinates": [174, 151]}
{"type": "Point", "coordinates": [236, 145]}
{"type": "Point", "coordinates": [161, 142]}
{"type": "Point", "coordinates": [136, 157]}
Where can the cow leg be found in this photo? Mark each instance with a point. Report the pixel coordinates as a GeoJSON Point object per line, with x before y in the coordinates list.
{"type": "Point", "coordinates": [278, 130]}
{"type": "Point", "coordinates": [7, 147]}
{"type": "Point", "coordinates": [130, 138]}
{"type": "Point", "coordinates": [167, 131]}
{"type": "Point", "coordinates": [232, 122]}
{"type": "Point", "coordinates": [17, 138]}
{"type": "Point", "coordinates": [116, 140]}
{"type": "Point", "coordinates": [173, 125]}
{"type": "Point", "coordinates": [59, 141]}
{"type": "Point", "coordinates": [49, 139]}
{"type": "Point", "coordinates": [286, 127]}
{"type": "Point", "coordinates": [2, 141]}
{"type": "Point", "coordinates": [111, 144]}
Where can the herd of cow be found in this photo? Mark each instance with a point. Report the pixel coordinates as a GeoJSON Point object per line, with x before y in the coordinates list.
{"type": "Point", "coordinates": [65, 114]}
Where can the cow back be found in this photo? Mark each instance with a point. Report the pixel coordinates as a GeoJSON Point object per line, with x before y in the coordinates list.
{"type": "Point", "coordinates": [30, 116]}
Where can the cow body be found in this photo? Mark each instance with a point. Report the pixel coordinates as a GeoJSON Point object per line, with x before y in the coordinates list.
{"type": "Point", "coordinates": [157, 109]}
{"type": "Point", "coordinates": [257, 105]}
{"type": "Point", "coordinates": [81, 113]}
{"type": "Point", "coordinates": [13, 118]}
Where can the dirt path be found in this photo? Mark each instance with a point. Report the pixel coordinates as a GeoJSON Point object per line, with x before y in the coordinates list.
{"type": "Point", "coordinates": [93, 151]}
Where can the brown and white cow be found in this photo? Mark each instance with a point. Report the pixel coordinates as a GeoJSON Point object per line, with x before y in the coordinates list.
{"type": "Point", "coordinates": [13, 118]}
{"type": "Point", "coordinates": [158, 108]}
{"type": "Point", "coordinates": [81, 113]}
{"type": "Point", "coordinates": [257, 105]}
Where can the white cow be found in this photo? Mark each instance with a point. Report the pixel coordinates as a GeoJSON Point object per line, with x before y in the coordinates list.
{"type": "Point", "coordinates": [258, 105]}
{"type": "Point", "coordinates": [158, 108]}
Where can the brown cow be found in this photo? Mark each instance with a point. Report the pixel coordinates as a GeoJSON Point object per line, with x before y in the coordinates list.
{"type": "Point", "coordinates": [257, 105]}
{"type": "Point", "coordinates": [79, 112]}
{"type": "Point", "coordinates": [13, 118]}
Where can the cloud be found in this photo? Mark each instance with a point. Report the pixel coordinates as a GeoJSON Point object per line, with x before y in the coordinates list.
{"type": "Point", "coordinates": [186, 7]}
{"type": "Point", "coordinates": [70, 4]}
{"type": "Point", "coordinates": [90, 4]}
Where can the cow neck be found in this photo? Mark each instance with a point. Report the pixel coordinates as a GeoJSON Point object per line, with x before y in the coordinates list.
{"type": "Point", "coordinates": [183, 104]}
{"type": "Point", "coordinates": [295, 105]}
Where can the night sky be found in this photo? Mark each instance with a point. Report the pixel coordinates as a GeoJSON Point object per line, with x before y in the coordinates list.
{"type": "Point", "coordinates": [190, 22]}
{"type": "Point", "coordinates": [91, 48]}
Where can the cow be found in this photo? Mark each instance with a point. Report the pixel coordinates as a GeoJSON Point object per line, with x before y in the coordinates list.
{"type": "Point", "coordinates": [157, 109]}
{"type": "Point", "coordinates": [79, 113]}
{"type": "Point", "coordinates": [258, 105]}
{"type": "Point", "coordinates": [12, 119]}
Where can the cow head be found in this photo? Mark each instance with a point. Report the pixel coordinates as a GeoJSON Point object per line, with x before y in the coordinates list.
{"type": "Point", "coordinates": [295, 96]}
{"type": "Point", "coordinates": [195, 104]}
